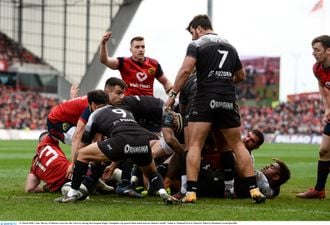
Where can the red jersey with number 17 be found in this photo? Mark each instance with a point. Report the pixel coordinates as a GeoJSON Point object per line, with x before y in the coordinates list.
{"type": "Point", "coordinates": [322, 74]}
{"type": "Point", "coordinates": [50, 164]}
{"type": "Point", "coordinates": [139, 76]}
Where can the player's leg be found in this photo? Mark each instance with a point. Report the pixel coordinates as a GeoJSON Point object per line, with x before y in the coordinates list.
{"type": "Point", "coordinates": [198, 132]}
{"type": "Point", "coordinates": [156, 182]}
{"type": "Point", "coordinates": [85, 155]}
{"type": "Point", "coordinates": [243, 161]}
{"type": "Point", "coordinates": [323, 168]}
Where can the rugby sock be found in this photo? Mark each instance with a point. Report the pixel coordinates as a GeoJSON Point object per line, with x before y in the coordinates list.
{"type": "Point", "coordinates": [156, 181]}
{"type": "Point", "coordinates": [96, 171]}
{"type": "Point", "coordinates": [322, 174]}
{"type": "Point", "coordinates": [91, 179]}
{"type": "Point", "coordinates": [191, 186]}
{"type": "Point", "coordinates": [183, 188]}
{"type": "Point", "coordinates": [252, 182]}
{"type": "Point", "coordinates": [162, 169]}
{"type": "Point", "coordinates": [227, 160]}
{"type": "Point", "coordinates": [80, 169]}
{"type": "Point", "coordinates": [127, 166]}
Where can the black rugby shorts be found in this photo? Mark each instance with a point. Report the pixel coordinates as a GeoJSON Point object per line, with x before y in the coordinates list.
{"type": "Point", "coordinates": [221, 114]}
{"type": "Point", "coordinates": [123, 146]}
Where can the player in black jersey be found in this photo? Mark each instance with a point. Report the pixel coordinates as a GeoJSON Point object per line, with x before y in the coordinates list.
{"type": "Point", "coordinates": [125, 139]}
{"type": "Point", "coordinates": [149, 112]}
{"type": "Point", "coordinates": [211, 182]}
{"type": "Point", "coordinates": [218, 69]}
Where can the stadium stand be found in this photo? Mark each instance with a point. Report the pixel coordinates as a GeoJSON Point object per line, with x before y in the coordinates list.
{"type": "Point", "coordinates": [11, 52]}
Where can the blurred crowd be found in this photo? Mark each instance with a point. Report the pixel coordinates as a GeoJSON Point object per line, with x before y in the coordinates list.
{"type": "Point", "coordinates": [24, 110]}
{"type": "Point", "coordinates": [28, 110]}
{"type": "Point", "coordinates": [294, 117]}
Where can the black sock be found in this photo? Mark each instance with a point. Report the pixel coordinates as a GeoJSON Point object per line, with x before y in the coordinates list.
{"type": "Point", "coordinates": [322, 175]}
{"type": "Point", "coordinates": [126, 168]}
{"type": "Point", "coordinates": [162, 169]}
{"type": "Point", "coordinates": [227, 161]}
{"type": "Point", "coordinates": [192, 186]}
{"type": "Point", "coordinates": [156, 181]}
{"type": "Point", "coordinates": [80, 170]}
{"type": "Point", "coordinates": [96, 171]}
{"type": "Point", "coordinates": [252, 182]}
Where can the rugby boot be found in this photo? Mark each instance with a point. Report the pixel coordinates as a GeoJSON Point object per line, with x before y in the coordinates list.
{"type": "Point", "coordinates": [127, 191]}
{"type": "Point", "coordinates": [67, 199]}
{"type": "Point", "coordinates": [312, 193]}
{"type": "Point", "coordinates": [170, 200]}
{"type": "Point", "coordinates": [190, 197]}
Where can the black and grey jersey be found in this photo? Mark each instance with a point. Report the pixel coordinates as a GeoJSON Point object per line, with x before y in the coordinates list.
{"type": "Point", "coordinates": [216, 62]}
{"type": "Point", "coordinates": [109, 121]}
{"type": "Point", "coordinates": [188, 91]}
{"type": "Point", "coordinates": [147, 110]}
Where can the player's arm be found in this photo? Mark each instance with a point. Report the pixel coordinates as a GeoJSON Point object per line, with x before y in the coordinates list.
{"type": "Point", "coordinates": [76, 139]}
{"type": "Point", "coordinates": [74, 91]}
{"type": "Point", "coordinates": [185, 70]}
{"type": "Point", "coordinates": [239, 76]}
{"type": "Point", "coordinates": [167, 84]}
{"type": "Point", "coordinates": [32, 184]}
{"type": "Point", "coordinates": [171, 140]}
{"type": "Point", "coordinates": [111, 62]}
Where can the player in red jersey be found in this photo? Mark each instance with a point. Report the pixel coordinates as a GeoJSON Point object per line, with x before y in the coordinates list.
{"type": "Point", "coordinates": [138, 71]}
{"type": "Point", "coordinates": [63, 118]}
{"type": "Point", "coordinates": [49, 165]}
{"type": "Point", "coordinates": [321, 69]}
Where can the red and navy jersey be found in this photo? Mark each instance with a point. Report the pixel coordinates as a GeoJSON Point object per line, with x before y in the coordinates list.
{"type": "Point", "coordinates": [69, 111]}
{"type": "Point", "coordinates": [50, 164]}
{"type": "Point", "coordinates": [322, 74]}
{"type": "Point", "coordinates": [139, 76]}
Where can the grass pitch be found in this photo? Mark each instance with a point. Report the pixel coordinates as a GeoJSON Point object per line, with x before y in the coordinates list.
{"type": "Point", "coordinates": [15, 205]}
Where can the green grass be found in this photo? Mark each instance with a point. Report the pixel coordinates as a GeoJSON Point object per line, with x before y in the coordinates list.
{"type": "Point", "coordinates": [15, 205]}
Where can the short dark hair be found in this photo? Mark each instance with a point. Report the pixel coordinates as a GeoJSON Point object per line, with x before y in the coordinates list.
{"type": "Point", "coordinates": [98, 97]}
{"type": "Point", "coordinates": [42, 135]}
{"type": "Point", "coordinates": [200, 20]}
{"type": "Point", "coordinates": [137, 38]}
{"type": "Point", "coordinates": [114, 81]}
{"type": "Point", "coordinates": [285, 173]}
{"type": "Point", "coordinates": [323, 39]}
{"type": "Point", "coordinates": [260, 136]}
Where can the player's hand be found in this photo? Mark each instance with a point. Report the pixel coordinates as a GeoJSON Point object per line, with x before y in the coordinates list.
{"type": "Point", "coordinates": [169, 103]}
{"type": "Point", "coordinates": [108, 172]}
{"type": "Point", "coordinates": [326, 117]}
{"type": "Point", "coordinates": [69, 171]}
{"type": "Point", "coordinates": [106, 37]}
{"type": "Point", "coordinates": [74, 91]}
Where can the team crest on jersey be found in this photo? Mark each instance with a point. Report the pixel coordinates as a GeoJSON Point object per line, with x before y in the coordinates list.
{"type": "Point", "coordinates": [141, 76]}
{"type": "Point", "coordinates": [65, 127]}
{"type": "Point", "coordinates": [151, 71]}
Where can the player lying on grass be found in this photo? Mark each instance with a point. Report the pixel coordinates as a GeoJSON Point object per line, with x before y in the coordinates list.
{"type": "Point", "coordinates": [49, 166]}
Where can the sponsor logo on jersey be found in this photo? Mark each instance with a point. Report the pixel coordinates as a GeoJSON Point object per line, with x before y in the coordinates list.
{"type": "Point", "coordinates": [223, 105]}
{"type": "Point", "coordinates": [135, 149]}
{"type": "Point", "coordinates": [141, 76]}
{"type": "Point", "coordinates": [220, 74]}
